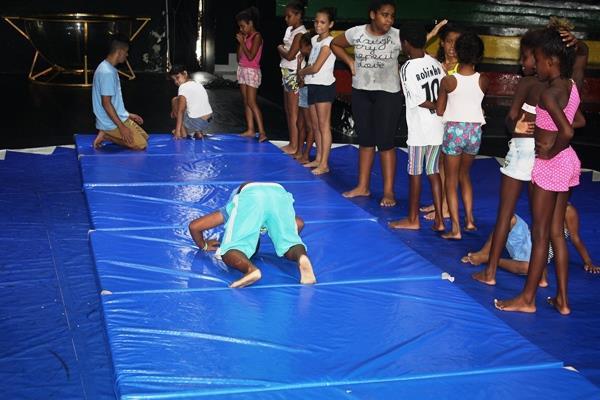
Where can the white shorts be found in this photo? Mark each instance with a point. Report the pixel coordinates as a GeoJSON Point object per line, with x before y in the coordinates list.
{"type": "Point", "coordinates": [519, 159]}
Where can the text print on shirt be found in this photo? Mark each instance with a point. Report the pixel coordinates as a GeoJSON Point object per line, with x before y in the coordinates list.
{"type": "Point", "coordinates": [376, 54]}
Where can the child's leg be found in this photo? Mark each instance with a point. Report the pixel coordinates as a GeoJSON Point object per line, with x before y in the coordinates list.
{"type": "Point", "coordinates": [247, 112]}
{"type": "Point", "coordinates": [256, 112]}
{"type": "Point", "coordinates": [174, 107]}
{"type": "Point", "coordinates": [366, 157]}
{"type": "Point", "coordinates": [542, 205]}
{"type": "Point", "coordinates": [298, 253]}
{"type": "Point", "coordinates": [388, 169]}
{"type": "Point", "coordinates": [452, 167]}
{"type": "Point", "coordinates": [481, 256]}
{"type": "Point", "coordinates": [303, 126]}
{"type": "Point", "coordinates": [414, 169]}
{"type": "Point", "coordinates": [314, 127]}
{"type": "Point", "coordinates": [572, 225]}
{"type": "Point", "coordinates": [561, 254]}
{"type": "Point", "coordinates": [323, 114]}
{"type": "Point", "coordinates": [309, 137]}
{"type": "Point", "coordinates": [430, 210]}
{"type": "Point", "coordinates": [238, 260]}
{"type": "Point", "coordinates": [509, 193]}
{"type": "Point", "coordinates": [291, 99]}
{"type": "Point", "coordinates": [466, 188]}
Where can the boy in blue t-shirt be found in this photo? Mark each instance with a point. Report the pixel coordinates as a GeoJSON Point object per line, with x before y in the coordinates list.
{"type": "Point", "coordinates": [113, 122]}
{"type": "Point", "coordinates": [254, 207]}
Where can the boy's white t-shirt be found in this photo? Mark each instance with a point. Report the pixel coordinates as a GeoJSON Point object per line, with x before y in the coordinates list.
{"type": "Point", "coordinates": [325, 74]}
{"type": "Point", "coordinates": [421, 78]}
{"type": "Point", "coordinates": [196, 99]}
{"type": "Point", "coordinates": [288, 39]}
{"type": "Point", "coordinates": [375, 59]}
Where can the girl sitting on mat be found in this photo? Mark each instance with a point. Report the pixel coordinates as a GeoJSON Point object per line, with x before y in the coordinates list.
{"type": "Point", "coordinates": [253, 207]}
{"type": "Point", "coordinates": [459, 102]}
{"type": "Point", "coordinates": [555, 171]}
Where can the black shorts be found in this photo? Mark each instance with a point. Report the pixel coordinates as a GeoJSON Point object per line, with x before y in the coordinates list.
{"type": "Point", "coordinates": [321, 93]}
{"type": "Point", "coordinates": [376, 116]}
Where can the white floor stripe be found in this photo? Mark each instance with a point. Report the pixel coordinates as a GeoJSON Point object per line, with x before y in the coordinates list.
{"type": "Point", "coordinates": [37, 150]}
{"type": "Point", "coordinates": [2, 154]}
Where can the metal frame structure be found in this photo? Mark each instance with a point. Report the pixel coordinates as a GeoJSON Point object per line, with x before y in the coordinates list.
{"type": "Point", "coordinates": [46, 76]}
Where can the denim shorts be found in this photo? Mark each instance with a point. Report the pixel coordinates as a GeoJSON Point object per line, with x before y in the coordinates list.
{"type": "Point", "coordinates": [518, 242]}
{"type": "Point", "coordinates": [461, 137]}
{"type": "Point", "coordinates": [303, 97]}
{"type": "Point", "coordinates": [518, 162]}
{"type": "Point", "coordinates": [193, 125]}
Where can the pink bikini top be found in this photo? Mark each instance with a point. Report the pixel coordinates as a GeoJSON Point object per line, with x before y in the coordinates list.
{"type": "Point", "coordinates": [543, 119]}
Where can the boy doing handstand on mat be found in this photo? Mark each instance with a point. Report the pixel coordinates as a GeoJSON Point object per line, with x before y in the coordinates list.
{"type": "Point", "coordinates": [252, 207]}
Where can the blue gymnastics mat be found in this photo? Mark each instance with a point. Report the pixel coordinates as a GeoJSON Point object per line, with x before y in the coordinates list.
{"type": "Point", "coordinates": [381, 323]}
{"type": "Point", "coordinates": [176, 206]}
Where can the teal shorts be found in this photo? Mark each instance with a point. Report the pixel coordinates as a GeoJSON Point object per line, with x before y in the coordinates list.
{"type": "Point", "coordinates": [260, 205]}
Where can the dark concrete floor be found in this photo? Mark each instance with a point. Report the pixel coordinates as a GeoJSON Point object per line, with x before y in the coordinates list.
{"type": "Point", "coordinates": [36, 115]}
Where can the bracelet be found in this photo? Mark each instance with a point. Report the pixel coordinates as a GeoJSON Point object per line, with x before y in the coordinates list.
{"type": "Point", "coordinates": [205, 247]}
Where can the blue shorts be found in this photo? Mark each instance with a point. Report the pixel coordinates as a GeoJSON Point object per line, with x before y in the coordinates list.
{"type": "Point", "coordinates": [260, 205]}
{"type": "Point", "coordinates": [193, 125]}
{"type": "Point", "coordinates": [303, 97]}
{"type": "Point", "coordinates": [518, 242]}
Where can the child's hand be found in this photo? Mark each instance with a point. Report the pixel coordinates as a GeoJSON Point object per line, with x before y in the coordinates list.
{"type": "Point", "coordinates": [136, 118]}
{"type": "Point", "coordinates": [523, 126]}
{"type": "Point", "coordinates": [211, 245]}
{"type": "Point", "coordinates": [239, 37]}
{"type": "Point", "coordinates": [567, 37]}
{"type": "Point", "coordinates": [353, 68]}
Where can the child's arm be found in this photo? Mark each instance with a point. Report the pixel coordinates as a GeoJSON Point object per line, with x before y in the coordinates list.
{"type": "Point", "coordinates": [125, 132]}
{"type": "Point", "coordinates": [338, 44]}
{"type": "Point", "coordinates": [581, 58]}
{"type": "Point", "coordinates": [181, 106]}
{"type": "Point", "coordinates": [565, 129]}
{"type": "Point", "coordinates": [442, 100]}
{"type": "Point", "coordinates": [198, 226]}
{"type": "Point", "coordinates": [299, 224]}
{"type": "Point", "coordinates": [579, 121]}
{"type": "Point", "coordinates": [316, 67]}
{"type": "Point", "coordinates": [572, 225]}
{"type": "Point", "coordinates": [515, 108]}
{"type": "Point", "coordinates": [252, 51]}
{"type": "Point", "coordinates": [436, 29]}
{"type": "Point", "coordinates": [293, 51]}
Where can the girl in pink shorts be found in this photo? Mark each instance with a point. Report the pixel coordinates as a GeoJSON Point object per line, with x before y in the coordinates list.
{"type": "Point", "coordinates": [555, 171]}
{"type": "Point", "coordinates": [250, 45]}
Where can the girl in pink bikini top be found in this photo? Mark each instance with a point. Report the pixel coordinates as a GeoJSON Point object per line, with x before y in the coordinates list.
{"type": "Point", "coordinates": [543, 120]}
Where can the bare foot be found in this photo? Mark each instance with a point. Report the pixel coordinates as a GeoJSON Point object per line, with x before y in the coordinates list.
{"type": "Point", "coordinates": [320, 170]}
{"type": "Point", "coordinates": [307, 276]}
{"type": "Point", "coordinates": [560, 305]}
{"type": "Point", "coordinates": [427, 209]}
{"type": "Point", "coordinates": [99, 139]}
{"type": "Point", "coordinates": [404, 224]}
{"type": "Point", "coordinates": [452, 235]}
{"type": "Point", "coordinates": [517, 304]}
{"type": "Point", "coordinates": [470, 227]}
{"type": "Point", "coordinates": [430, 216]}
{"type": "Point", "coordinates": [288, 149]}
{"type": "Point", "coordinates": [247, 279]}
{"type": "Point", "coordinates": [198, 135]}
{"type": "Point", "coordinates": [438, 228]}
{"type": "Point", "coordinates": [312, 164]}
{"type": "Point", "coordinates": [387, 200]}
{"type": "Point", "coordinates": [591, 268]}
{"type": "Point", "coordinates": [303, 160]}
{"type": "Point", "coordinates": [262, 137]}
{"type": "Point", "coordinates": [356, 192]}
{"type": "Point", "coordinates": [478, 258]}
{"type": "Point", "coordinates": [484, 276]}
{"type": "Point", "coordinates": [248, 134]}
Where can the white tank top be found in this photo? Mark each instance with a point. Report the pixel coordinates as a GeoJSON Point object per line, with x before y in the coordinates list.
{"type": "Point", "coordinates": [464, 103]}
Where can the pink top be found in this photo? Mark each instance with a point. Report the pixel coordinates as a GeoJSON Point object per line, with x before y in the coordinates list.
{"type": "Point", "coordinates": [543, 119]}
{"type": "Point", "coordinates": [254, 63]}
